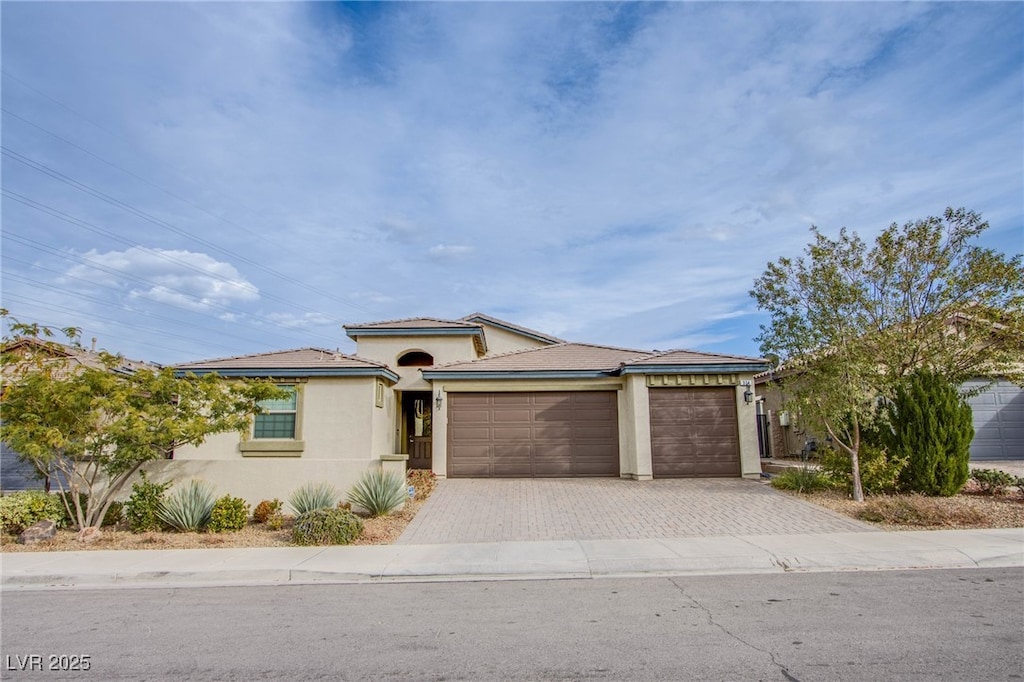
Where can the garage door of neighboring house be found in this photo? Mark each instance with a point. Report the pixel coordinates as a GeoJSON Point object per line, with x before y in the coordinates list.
{"type": "Point", "coordinates": [516, 435]}
{"type": "Point", "coordinates": [694, 432]}
{"type": "Point", "coordinates": [998, 422]}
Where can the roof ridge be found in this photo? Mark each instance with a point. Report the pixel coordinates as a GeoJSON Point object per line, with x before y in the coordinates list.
{"type": "Point", "coordinates": [659, 353]}
{"type": "Point", "coordinates": [512, 325]}
{"type": "Point", "coordinates": [518, 351]}
{"type": "Point", "coordinates": [253, 355]}
{"type": "Point", "coordinates": [408, 319]}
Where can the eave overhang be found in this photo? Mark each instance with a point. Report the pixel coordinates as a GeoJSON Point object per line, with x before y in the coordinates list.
{"type": "Point", "coordinates": [266, 373]}
{"type": "Point", "coordinates": [440, 374]}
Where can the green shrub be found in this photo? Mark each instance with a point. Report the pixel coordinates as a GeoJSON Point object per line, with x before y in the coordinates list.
{"type": "Point", "coordinates": [141, 510]}
{"type": "Point", "coordinates": [312, 496]}
{"type": "Point", "coordinates": [326, 527]}
{"type": "Point", "coordinates": [992, 481]}
{"type": "Point", "coordinates": [879, 473]}
{"type": "Point", "coordinates": [20, 510]}
{"type": "Point", "coordinates": [802, 480]}
{"type": "Point", "coordinates": [377, 492]}
{"type": "Point", "coordinates": [930, 427]}
{"type": "Point", "coordinates": [188, 508]}
{"type": "Point", "coordinates": [265, 509]}
{"type": "Point", "coordinates": [229, 514]}
{"type": "Point", "coordinates": [275, 521]}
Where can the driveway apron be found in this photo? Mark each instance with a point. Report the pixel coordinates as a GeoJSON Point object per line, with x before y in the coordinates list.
{"type": "Point", "coordinates": [496, 510]}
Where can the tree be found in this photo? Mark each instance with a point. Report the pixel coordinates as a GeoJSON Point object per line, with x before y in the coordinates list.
{"type": "Point", "coordinates": [849, 322]}
{"type": "Point", "coordinates": [95, 426]}
{"type": "Point", "coordinates": [931, 427]}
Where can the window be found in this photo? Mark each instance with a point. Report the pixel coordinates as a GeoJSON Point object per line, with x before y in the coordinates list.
{"type": "Point", "coordinates": [278, 420]}
{"type": "Point", "coordinates": [416, 358]}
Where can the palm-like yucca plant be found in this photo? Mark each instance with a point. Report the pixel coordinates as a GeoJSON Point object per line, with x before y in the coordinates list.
{"type": "Point", "coordinates": [311, 496]}
{"type": "Point", "coordinates": [378, 493]}
{"type": "Point", "coordinates": [189, 507]}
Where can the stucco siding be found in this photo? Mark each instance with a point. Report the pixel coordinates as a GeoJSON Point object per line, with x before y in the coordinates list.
{"type": "Point", "coordinates": [502, 341]}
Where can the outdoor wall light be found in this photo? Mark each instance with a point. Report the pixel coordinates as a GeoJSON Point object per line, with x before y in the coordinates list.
{"type": "Point", "coordinates": [748, 396]}
{"type": "Point", "coordinates": [437, 399]}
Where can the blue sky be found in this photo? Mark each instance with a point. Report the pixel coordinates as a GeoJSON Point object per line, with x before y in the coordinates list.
{"type": "Point", "coordinates": [193, 180]}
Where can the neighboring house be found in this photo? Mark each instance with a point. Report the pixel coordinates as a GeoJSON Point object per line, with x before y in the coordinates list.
{"type": "Point", "coordinates": [998, 421]}
{"type": "Point", "coordinates": [16, 474]}
{"type": "Point", "coordinates": [481, 397]}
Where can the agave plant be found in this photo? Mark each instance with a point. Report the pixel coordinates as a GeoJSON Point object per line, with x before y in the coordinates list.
{"type": "Point", "coordinates": [189, 507]}
{"type": "Point", "coordinates": [378, 493]}
{"type": "Point", "coordinates": [311, 496]}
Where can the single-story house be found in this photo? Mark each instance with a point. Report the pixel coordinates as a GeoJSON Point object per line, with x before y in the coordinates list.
{"type": "Point", "coordinates": [480, 397]}
{"type": "Point", "coordinates": [16, 474]}
{"type": "Point", "coordinates": [998, 415]}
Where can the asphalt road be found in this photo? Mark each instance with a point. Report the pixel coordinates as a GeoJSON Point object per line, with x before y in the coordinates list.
{"type": "Point", "coordinates": [912, 625]}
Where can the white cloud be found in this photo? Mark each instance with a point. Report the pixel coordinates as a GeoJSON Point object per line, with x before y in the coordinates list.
{"type": "Point", "coordinates": [185, 279]}
{"type": "Point", "coordinates": [618, 172]}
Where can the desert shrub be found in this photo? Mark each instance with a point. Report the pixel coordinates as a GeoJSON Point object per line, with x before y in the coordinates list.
{"type": "Point", "coordinates": [423, 480]}
{"type": "Point", "coordinates": [265, 509]}
{"type": "Point", "coordinates": [992, 481]}
{"type": "Point", "coordinates": [326, 527]}
{"type": "Point", "coordinates": [115, 512]}
{"type": "Point", "coordinates": [141, 509]}
{"type": "Point", "coordinates": [228, 514]}
{"type": "Point", "coordinates": [275, 521]}
{"type": "Point", "coordinates": [918, 510]}
{"type": "Point", "coordinates": [188, 508]}
{"type": "Point", "coordinates": [930, 426]}
{"type": "Point", "coordinates": [20, 510]}
{"type": "Point", "coordinates": [312, 496]}
{"type": "Point", "coordinates": [377, 492]}
{"type": "Point", "coordinates": [879, 473]}
{"type": "Point", "coordinates": [801, 480]}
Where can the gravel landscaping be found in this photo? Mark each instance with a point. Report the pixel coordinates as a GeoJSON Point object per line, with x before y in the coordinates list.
{"type": "Point", "coordinates": [382, 530]}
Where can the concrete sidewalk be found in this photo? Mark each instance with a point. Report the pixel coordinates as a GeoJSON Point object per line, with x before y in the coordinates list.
{"type": "Point", "coordinates": [751, 554]}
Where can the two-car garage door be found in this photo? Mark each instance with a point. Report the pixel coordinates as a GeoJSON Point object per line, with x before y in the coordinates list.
{"type": "Point", "coordinates": [533, 434]}
{"type": "Point", "coordinates": [694, 432]}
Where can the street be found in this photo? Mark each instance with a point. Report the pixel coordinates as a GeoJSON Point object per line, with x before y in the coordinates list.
{"type": "Point", "coordinates": [927, 625]}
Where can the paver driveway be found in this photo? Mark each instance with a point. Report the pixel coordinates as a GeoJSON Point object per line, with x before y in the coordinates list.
{"type": "Point", "coordinates": [490, 510]}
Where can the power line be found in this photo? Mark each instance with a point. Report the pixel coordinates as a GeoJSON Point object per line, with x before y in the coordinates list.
{"type": "Point", "coordinates": [144, 180]}
{"type": "Point", "coordinates": [174, 321]}
{"type": "Point", "coordinates": [45, 208]}
{"type": "Point", "coordinates": [32, 244]}
{"type": "Point", "coordinates": [61, 177]}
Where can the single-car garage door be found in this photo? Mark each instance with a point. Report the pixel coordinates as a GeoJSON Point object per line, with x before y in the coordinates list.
{"type": "Point", "coordinates": [998, 421]}
{"type": "Point", "coordinates": [694, 432]}
{"type": "Point", "coordinates": [533, 434]}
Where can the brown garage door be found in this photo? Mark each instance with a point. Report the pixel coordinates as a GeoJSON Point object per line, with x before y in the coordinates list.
{"type": "Point", "coordinates": [533, 434]}
{"type": "Point", "coordinates": [694, 432]}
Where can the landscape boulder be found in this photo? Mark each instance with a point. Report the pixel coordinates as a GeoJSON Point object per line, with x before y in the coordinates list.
{"type": "Point", "coordinates": [37, 532]}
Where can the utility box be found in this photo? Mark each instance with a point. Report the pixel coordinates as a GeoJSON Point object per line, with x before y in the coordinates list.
{"type": "Point", "coordinates": [784, 418]}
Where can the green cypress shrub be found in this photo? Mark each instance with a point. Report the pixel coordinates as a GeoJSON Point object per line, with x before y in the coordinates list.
{"type": "Point", "coordinates": [931, 428]}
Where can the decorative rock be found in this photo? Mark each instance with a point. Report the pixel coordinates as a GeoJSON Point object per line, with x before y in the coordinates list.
{"type": "Point", "coordinates": [89, 534]}
{"type": "Point", "coordinates": [37, 532]}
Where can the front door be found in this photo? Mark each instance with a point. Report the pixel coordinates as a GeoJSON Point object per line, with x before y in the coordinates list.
{"type": "Point", "coordinates": [416, 412]}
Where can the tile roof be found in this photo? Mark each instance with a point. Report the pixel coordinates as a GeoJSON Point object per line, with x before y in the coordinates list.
{"type": "Point", "coordinates": [693, 357]}
{"type": "Point", "coordinates": [564, 357]}
{"type": "Point", "coordinates": [413, 323]}
{"type": "Point", "coordinates": [73, 355]}
{"type": "Point", "coordinates": [480, 317]}
{"type": "Point", "coordinates": [298, 358]}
